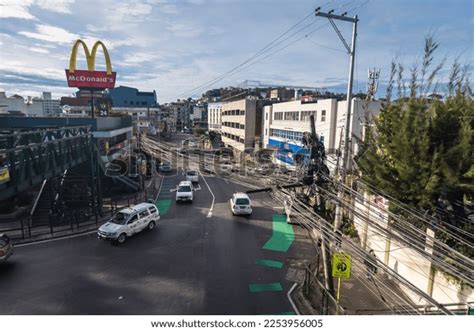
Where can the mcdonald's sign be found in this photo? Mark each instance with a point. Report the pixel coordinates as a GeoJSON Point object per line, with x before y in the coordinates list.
{"type": "Point", "coordinates": [90, 78]}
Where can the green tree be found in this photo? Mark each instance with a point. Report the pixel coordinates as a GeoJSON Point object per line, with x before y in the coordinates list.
{"type": "Point", "coordinates": [420, 150]}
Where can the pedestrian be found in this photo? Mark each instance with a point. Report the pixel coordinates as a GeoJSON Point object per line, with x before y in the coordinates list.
{"type": "Point", "coordinates": [371, 264]}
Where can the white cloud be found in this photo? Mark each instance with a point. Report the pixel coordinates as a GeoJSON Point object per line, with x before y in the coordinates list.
{"type": "Point", "coordinates": [39, 50]}
{"type": "Point", "coordinates": [184, 30]}
{"type": "Point", "coordinates": [139, 57]}
{"type": "Point", "coordinates": [21, 8]}
{"type": "Point", "coordinates": [15, 9]}
{"type": "Point", "coordinates": [58, 6]}
{"type": "Point", "coordinates": [50, 33]}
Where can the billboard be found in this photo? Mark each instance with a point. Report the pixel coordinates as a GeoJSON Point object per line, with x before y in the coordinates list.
{"type": "Point", "coordinates": [90, 78]}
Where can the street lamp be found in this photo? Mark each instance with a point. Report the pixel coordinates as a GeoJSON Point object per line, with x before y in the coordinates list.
{"type": "Point", "coordinates": [65, 110]}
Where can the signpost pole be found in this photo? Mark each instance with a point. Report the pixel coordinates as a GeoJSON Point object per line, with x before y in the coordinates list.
{"type": "Point", "coordinates": [338, 294]}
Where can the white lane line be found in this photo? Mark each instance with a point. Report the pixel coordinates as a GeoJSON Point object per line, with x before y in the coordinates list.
{"type": "Point", "coordinates": [159, 189]}
{"type": "Point", "coordinates": [209, 214]}
{"type": "Point", "coordinates": [55, 239]}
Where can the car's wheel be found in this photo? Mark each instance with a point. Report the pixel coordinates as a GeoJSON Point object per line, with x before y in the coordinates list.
{"type": "Point", "coordinates": [121, 239]}
{"type": "Point", "coordinates": [151, 225]}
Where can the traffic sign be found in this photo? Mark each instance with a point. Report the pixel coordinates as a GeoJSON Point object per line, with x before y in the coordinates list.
{"type": "Point", "coordinates": [341, 265]}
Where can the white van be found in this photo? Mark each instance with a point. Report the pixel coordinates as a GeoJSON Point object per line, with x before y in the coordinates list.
{"type": "Point", "coordinates": [129, 221]}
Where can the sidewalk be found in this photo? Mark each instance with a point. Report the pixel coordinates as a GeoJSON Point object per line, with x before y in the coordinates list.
{"type": "Point", "coordinates": [21, 233]}
{"type": "Point", "coordinates": [359, 295]}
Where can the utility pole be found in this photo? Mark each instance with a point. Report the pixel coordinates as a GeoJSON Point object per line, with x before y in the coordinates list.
{"type": "Point", "coordinates": [351, 51]}
{"type": "Point", "coordinates": [317, 158]}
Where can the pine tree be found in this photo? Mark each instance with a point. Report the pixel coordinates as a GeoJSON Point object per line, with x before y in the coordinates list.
{"type": "Point", "coordinates": [420, 150]}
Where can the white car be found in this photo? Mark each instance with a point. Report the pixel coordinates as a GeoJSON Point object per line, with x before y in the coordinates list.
{"type": "Point", "coordinates": [129, 221]}
{"type": "Point", "coordinates": [240, 204]}
{"type": "Point", "coordinates": [226, 167]}
{"type": "Point", "coordinates": [192, 176]}
{"type": "Point", "coordinates": [185, 191]}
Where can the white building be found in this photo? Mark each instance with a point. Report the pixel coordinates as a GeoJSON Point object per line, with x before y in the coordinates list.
{"type": "Point", "coordinates": [143, 119]}
{"type": "Point", "coordinates": [214, 110]}
{"type": "Point", "coordinates": [285, 123]}
{"type": "Point", "coordinates": [241, 123]}
{"type": "Point", "coordinates": [360, 109]}
{"type": "Point", "coordinates": [29, 106]}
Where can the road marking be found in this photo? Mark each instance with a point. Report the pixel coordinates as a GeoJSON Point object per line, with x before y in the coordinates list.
{"type": "Point", "coordinates": [209, 214]}
{"type": "Point", "coordinates": [271, 287]}
{"type": "Point", "coordinates": [269, 263]}
{"type": "Point", "coordinates": [159, 189]}
{"type": "Point", "coordinates": [282, 235]}
{"type": "Point", "coordinates": [56, 239]}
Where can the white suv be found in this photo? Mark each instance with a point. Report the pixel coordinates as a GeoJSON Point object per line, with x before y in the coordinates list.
{"type": "Point", "coordinates": [240, 204]}
{"type": "Point", "coordinates": [192, 176]}
{"type": "Point", "coordinates": [185, 191]}
{"type": "Point", "coordinates": [129, 221]}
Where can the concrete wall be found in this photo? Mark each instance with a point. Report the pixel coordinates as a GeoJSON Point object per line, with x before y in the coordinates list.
{"type": "Point", "coordinates": [406, 261]}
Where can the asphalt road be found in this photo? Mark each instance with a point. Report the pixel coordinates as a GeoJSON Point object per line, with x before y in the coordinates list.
{"type": "Point", "coordinates": [190, 264]}
{"type": "Point", "coordinates": [193, 262]}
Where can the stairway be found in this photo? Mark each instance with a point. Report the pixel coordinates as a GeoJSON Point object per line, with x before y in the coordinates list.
{"type": "Point", "coordinates": [43, 207]}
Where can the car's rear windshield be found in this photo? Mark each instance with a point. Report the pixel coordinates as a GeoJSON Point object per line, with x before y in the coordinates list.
{"type": "Point", "coordinates": [119, 218]}
{"type": "Point", "coordinates": [192, 173]}
{"type": "Point", "coordinates": [242, 201]}
{"type": "Point", "coordinates": [184, 189]}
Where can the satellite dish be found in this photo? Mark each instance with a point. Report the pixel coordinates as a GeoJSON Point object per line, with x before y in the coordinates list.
{"type": "Point", "coordinates": [66, 108]}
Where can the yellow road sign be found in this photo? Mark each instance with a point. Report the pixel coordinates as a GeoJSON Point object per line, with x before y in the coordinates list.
{"type": "Point", "coordinates": [341, 265]}
{"type": "Point", "coordinates": [4, 175]}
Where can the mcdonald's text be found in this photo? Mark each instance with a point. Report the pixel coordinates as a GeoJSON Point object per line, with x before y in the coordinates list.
{"type": "Point", "coordinates": [90, 79]}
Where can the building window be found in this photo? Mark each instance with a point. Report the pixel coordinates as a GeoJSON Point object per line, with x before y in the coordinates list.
{"type": "Point", "coordinates": [266, 132]}
{"type": "Point", "coordinates": [143, 103]}
{"type": "Point", "coordinates": [242, 112]}
{"type": "Point", "coordinates": [242, 126]}
{"type": "Point", "coordinates": [292, 116]}
{"type": "Point", "coordinates": [307, 113]}
{"type": "Point", "coordinates": [323, 115]}
{"type": "Point", "coordinates": [278, 116]}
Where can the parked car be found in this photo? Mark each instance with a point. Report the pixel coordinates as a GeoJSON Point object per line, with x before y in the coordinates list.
{"type": "Point", "coordinates": [192, 176]}
{"type": "Point", "coordinates": [166, 167]}
{"type": "Point", "coordinates": [6, 247]}
{"type": "Point", "coordinates": [240, 204]}
{"type": "Point", "coordinates": [226, 167]}
{"type": "Point", "coordinates": [185, 191]}
{"type": "Point", "coordinates": [129, 221]}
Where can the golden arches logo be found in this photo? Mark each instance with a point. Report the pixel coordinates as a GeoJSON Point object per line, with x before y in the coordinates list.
{"type": "Point", "coordinates": [90, 78]}
{"type": "Point", "coordinates": [90, 56]}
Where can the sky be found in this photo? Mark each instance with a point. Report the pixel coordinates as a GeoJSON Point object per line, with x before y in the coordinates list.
{"type": "Point", "coordinates": [178, 47]}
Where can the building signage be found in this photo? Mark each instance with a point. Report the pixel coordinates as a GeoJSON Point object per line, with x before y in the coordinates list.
{"type": "Point", "coordinates": [90, 78]}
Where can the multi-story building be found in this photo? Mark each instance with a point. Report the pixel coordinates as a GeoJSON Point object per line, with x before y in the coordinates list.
{"type": "Point", "coordinates": [241, 122]}
{"type": "Point", "coordinates": [80, 106]}
{"type": "Point", "coordinates": [141, 106]}
{"type": "Point", "coordinates": [44, 106]}
{"type": "Point", "coordinates": [199, 116]}
{"type": "Point", "coordinates": [361, 111]}
{"type": "Point", "coordinates": [51, 107]}
{"type": "Point", "coordinates": [214, 110]}
{"type": "Point", "coordinates": [285, 124]}
{"type": "Point", "coordinates": [129, 97]}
